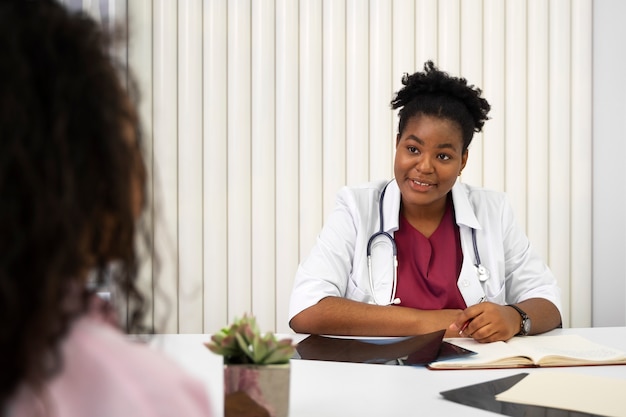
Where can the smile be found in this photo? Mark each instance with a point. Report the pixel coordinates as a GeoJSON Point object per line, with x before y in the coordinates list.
{"type": "Point", "coordinates": [422, 184]}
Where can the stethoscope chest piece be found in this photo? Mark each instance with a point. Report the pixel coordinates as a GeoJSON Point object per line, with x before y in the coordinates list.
{"type": "Point", "coordinates": [483, 273]}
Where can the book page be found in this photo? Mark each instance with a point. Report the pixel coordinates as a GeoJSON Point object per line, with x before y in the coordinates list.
{"type": "Point", "coordinates": [565, 349]}
{"type": "Point", "coordinates": [569, 391]}
{"type": "Point", "coordinates": [560, 350]}
{"type": "Point", "coordinates": [495, 354]}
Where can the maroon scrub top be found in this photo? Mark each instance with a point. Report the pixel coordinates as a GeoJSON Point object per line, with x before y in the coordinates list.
{"type": "Point", "coordinates": [428, 268]}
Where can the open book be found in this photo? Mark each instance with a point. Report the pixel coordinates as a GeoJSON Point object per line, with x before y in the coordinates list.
{"type": "Point", "coordinates": [532, 351]}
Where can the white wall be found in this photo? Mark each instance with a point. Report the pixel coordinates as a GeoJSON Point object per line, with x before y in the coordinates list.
{"type": "Point", "coordinates": [609, 175]}
{"type": "Point", "coordinates": [292, 43]}
{"type": "Point", "coordinates": [257, 112]}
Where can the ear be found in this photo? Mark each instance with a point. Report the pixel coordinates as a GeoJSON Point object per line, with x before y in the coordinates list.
{"type": "Point", "coordinates": [397, 139]}
{"type": "Point", "coordinates": [464, 159]}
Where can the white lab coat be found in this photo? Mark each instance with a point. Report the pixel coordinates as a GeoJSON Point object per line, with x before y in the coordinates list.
{"type": "Point", "coordinates": [337, 264]}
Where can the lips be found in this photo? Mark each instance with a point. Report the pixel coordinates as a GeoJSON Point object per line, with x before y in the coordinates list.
{"type": "Point", "coordinates": [422, 184]}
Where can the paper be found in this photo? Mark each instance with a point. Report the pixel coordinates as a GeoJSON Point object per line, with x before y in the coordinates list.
{"type": "Point", "coordinates": [570, 391]}
{"type": "Point", "coordinates": [533, 351]}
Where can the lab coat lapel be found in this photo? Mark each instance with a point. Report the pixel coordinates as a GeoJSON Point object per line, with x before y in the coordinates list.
{"type": "Point", "coordinates": [468, 283]}
{"type": "Point", "coordinates": [391, 207]}
{"type": "Point", "coordinates": [463, 210]}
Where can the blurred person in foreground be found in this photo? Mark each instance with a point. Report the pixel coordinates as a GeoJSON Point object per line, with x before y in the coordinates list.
{"type": "Point", "coordinates": [72, 182]}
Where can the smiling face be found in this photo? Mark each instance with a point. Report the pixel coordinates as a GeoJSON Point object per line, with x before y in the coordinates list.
{"type": "Point", "coordinates": [429, 158]}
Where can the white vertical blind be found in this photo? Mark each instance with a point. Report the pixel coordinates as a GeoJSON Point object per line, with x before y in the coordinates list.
{"type": "Point", "coordinates": [310, 140]}
{"type": "Point", "coordinates": [140, 60]}
{"type": "Point", "coordinates": [472, 69]}
{"type": "Point", "coordinates": [260, 110]}
{"type": "Point", "coordinates": [581, 174]}
{"type": "Point", "coordinates": [165, 164]}
{"type": "Point", "coordinates": [357, 92]}
{"type": "Point", "coordinates": [560, 164]}
{"type": "Point", "coordinates": [515, 157]}
{"type": "Point", "coordinates": [494, 90]}
{"type": "Point", "coordinates": [263, 163]}
{"type": "Point", "coordinates": [382, 132]}
{"type": "Point", "coordinates": [334, 102]}
{"type": "Point", "coordinates": [239, 160]}
{"type": "Point", "coordinates": [287, 157]}
{"type": "Point", "coordinates": [449, 36]}
{"type": "Point", "coordinates": [214, 152]}
{"type": "Point", "coordinates": [538, 122]}
{"type": "Point", "coordinates": [190, 166]}
{"type": "Point", "coordinates": [426, 32]}
{"type": "Point", "coordinates": [403, 41]}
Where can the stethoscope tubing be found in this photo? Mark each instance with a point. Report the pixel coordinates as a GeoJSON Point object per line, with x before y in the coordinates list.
{"type": "Point", "coordinates": [482, 271]}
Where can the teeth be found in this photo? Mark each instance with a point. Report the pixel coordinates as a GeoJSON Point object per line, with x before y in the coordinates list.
{"type": "Point", "coordinates": [420, 183]}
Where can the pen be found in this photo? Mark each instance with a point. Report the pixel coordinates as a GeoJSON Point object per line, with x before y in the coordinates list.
{"type": "Point", "coordinates": [482, 299]}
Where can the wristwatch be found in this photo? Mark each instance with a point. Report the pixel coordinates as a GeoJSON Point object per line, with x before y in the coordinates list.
{"type": "Point", "coordinates": [525, 326]}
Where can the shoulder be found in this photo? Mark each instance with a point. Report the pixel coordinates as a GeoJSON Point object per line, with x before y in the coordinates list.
{"type": "Point", "coordinates": [362, 193]}
{"type": "Point", "coordinates": [362, 201]}
{"type": "Point", "coordinates": [476, 206]}
{"type": "Point", "coordinates": [372, 187]}
{"type": "Point", "coordinates": [103, 365]}
{"type": "Point", "coordinates": [477, 193]}
{"type": "Point", "coordinates": [481, 198]}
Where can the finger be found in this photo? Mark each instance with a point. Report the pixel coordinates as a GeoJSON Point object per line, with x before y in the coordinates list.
{"type": "Point", "coordinates": [488, 333]}
{"type": "Point", "coordinates": [460, 322]}
{"type": "Point", "coordinates": [479, 328]}
{"type": "Point", "coordinates": [454, 327]}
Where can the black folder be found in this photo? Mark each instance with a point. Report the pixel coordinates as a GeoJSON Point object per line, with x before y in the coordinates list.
{"type": "Point", "coordinates": [412, 350]}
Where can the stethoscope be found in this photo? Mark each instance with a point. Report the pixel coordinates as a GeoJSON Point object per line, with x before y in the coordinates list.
{"type": "Point", "coordinates": [481, 270]}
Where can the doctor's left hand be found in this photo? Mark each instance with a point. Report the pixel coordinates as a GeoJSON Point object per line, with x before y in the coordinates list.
{"type": "Point", "coordinates": [487, 322]}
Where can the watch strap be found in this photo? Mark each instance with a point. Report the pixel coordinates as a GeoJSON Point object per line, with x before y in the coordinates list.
{"type": "Point", "coordinates": [524, 318]}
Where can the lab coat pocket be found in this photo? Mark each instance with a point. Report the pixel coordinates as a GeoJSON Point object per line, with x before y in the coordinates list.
{"type": "Point", "coordinates": [495, 291]}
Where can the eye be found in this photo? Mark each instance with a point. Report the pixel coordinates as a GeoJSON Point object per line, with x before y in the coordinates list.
{"type": "Point", "coordinates": [444, 157]}
{"type": "Point", "coordinates": [412, 149]}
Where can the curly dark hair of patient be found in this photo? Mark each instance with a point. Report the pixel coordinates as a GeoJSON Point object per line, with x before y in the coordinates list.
{"type": "Point", "coordinates": [435, 93]}
{"type": "Point", "coordinates": [69, 153]}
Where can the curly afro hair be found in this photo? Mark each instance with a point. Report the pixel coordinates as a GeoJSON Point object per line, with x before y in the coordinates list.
{"type": "Point", "coordinates": [435, 93]}
{"type": "Point", "coordinates": [69, 159]}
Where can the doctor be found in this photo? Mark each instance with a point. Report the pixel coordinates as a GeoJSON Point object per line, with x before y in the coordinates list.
{"type": "Point", "coordinates": [424, 252]}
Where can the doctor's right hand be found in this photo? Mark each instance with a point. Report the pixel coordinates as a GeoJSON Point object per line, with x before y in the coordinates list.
{"type": "Point", "coordinates": [487, 322]}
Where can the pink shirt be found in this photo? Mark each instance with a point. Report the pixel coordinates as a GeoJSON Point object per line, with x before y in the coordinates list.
{"type": "Point", "coordinates": [428, 268]}
{"type": "Point", "coordinates": [105, 374]}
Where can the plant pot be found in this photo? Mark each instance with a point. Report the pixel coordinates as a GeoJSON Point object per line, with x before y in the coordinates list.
{"type": "Point", "coordinates": [267, 385]}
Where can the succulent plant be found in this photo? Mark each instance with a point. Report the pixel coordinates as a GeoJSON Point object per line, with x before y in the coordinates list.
{"type": "Point", "coordinates": [242, 343]}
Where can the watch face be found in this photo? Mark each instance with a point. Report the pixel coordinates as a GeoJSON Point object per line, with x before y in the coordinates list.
{"type": "Point", "coordinates": [526, 326]}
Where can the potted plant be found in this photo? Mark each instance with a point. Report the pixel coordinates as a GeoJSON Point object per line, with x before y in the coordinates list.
{"type": "Point", "coordinates": [254, 364]}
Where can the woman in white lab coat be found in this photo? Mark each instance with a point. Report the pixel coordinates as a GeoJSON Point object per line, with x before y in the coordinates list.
{"type": "Point", "coordinates": [463, 264]}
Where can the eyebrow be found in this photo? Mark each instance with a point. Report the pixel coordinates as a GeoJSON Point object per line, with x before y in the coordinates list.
{"type": "Point", "coordinates": [440, 146]}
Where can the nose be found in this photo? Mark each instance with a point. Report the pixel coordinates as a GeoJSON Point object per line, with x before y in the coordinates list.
{"type": "Point", "coordinates": [423, 164]}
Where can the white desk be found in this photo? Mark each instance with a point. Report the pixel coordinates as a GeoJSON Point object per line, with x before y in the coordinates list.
{"type": "Point", "coordinates": [329, 389]}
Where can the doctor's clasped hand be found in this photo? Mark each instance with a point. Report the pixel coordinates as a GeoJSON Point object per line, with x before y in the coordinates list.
{"type": "Point", "coordinates": [489, 322]}
{"type": "Point", "coordinates": [424, 251]}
